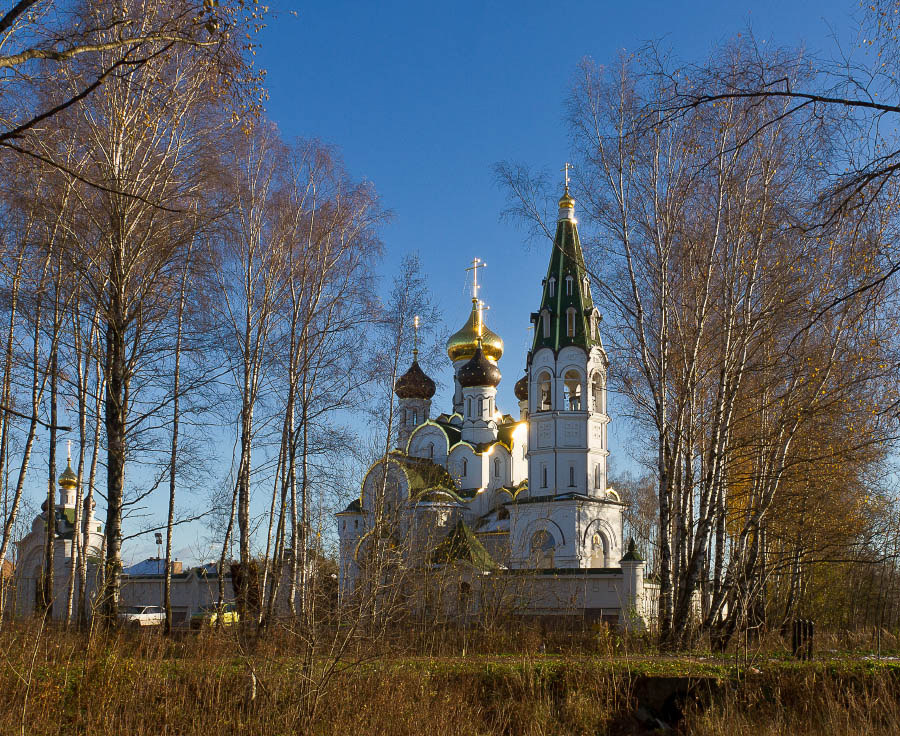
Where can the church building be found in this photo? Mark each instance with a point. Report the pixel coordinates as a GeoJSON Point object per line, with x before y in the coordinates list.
{"type": "Point", "coordinates": [503, 498]}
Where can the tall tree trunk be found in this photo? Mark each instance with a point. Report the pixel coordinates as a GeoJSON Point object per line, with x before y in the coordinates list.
{"type": "Point", "coordinates": [115, 420]}
{"type": "Point", "coordinates": [176, 397]}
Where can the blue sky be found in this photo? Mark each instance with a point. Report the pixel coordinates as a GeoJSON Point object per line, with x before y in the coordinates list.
{"type": "Point", "coordinates": [424, 98]}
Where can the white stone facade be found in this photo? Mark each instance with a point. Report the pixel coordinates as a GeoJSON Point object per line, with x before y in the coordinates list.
{"type": "Point", "coordinates": [531, 490]}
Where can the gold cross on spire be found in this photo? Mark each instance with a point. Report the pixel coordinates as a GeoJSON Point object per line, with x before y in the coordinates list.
{"type": "Point", "coordinates": [416, 337]}
{"type": "Point", "coordinates": [69, 450]}
{"type": "Point", "coordinates": [476, 264]}
{"type": "Point", "coordinates": [566, 170]}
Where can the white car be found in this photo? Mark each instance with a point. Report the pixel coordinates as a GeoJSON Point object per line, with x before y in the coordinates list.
{"type": "Point", "coordinates": [139, 616]}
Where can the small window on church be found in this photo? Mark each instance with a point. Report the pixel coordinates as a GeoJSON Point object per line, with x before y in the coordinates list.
{"type": "Point", "coordinates": [597, 476]}
{"type": "Point", "coordinates": [572, 390]}
{"type": "Point", "coordinates": [465, 467]}
{"type": "Point", "coordinates": [468, 407]}
{"type": "Point", "coordinates": [345, 523]}
{"type": "Point", "coordinates": [543, 476]}
{"type": "Point", "coordinates": [570, 322]}
{"type": "Point", "coordinates": [569, 282]}
{"type": "Point", "coordinates": [552, 287]}
{"type": "Point", "coordinates": [502, 514]}
{"type": "Point", "coordinates": [415, 417]}
{"type": "Point", "coordinates": [597, 393]}
{"type": "Point", "coordinates": [480, 408]}
{"type": "Point", "coordinates": [431, 451]}
{"type": "Point", "coordinates": [403, 416]}
{"type": "Point", "coordinates": [544, 392]}
{"type": "Point", "coordinates": [496, 467]}
{"type": "Point", "coordinates": [356, 523]}
{"type": "Point", "coordinates": [571, 476]}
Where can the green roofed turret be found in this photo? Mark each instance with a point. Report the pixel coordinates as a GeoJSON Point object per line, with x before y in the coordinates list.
{"type": "Point", "coordinates": [567, 315]}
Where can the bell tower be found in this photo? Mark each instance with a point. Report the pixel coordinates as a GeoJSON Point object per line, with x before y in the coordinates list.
{"type": "Point", "coordinates": [567, 375]}
{"type": "Point", "coordinates": [567, 517]}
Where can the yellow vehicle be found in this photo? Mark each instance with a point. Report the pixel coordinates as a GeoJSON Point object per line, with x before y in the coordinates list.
{"type": "Point", "coordinates": [209, 616]}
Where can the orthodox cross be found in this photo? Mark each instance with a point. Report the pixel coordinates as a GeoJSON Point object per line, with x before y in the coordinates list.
{"type": "Point", "coordinates": [476, 264]}
{"type": "Point", "coordinates": [416, 337]}
{"type": "Point", "coordinates": [566, 170]}
{"type": "Point", "coordinates": [69, 450]}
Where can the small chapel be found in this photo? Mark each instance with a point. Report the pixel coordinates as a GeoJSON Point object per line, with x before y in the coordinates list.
{"type": "Point", "coordinates": [517, 502]}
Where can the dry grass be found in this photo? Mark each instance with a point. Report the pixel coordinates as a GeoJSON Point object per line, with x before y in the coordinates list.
{"type": "Point", "coordinates": [55, 682]}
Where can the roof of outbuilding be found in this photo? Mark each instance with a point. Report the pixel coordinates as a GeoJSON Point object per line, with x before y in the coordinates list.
{"type": "Point", "coordinates": [461, 545]}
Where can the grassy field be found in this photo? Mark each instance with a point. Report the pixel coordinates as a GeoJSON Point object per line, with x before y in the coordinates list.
{"type": "Point", "coordinates": [54, 682]}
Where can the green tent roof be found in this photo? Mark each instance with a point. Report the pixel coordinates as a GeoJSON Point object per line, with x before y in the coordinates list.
{"type": "Point", "coordinates": [566, 260]}
{"type": "Point", "coordinates": [461, 545]}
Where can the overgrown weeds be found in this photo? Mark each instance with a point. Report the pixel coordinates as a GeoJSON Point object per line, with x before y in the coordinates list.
{"type": "Point", "coordinates": [57, 682]}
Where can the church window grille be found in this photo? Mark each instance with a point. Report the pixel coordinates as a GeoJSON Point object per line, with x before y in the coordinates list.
{"type": "Point", "coordinates": [569, 281]}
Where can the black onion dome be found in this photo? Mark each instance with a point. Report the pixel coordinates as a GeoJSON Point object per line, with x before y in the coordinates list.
{"type": "Point", "coordinates": [479, 371]}
{"type": "Point", "coordinates": [414, 384]}
{"type": "Point", "coordinates": [521, 388]}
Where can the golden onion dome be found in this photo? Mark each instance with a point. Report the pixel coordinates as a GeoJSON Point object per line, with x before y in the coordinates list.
{"type": "Point", "coordinates": [68, 480]}
{"type": "Point", "coordinates": [462, 344]}
{"type": "Point", "coordinates": [566, 202]}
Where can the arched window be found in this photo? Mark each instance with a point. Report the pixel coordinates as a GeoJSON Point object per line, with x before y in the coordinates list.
{"type": "Point", "coordinates": [597, 393]}
{"type": "Point", "coordinates": [571, 476]}
{"type": "Point", "coordinates": [572, 388]}
{"type": "Point", "coordinates": [569, 282]}
{"type": "Point", "coordinates": [431, 451]}
{"type": "Point", "coordinates": [552, 286]}
{"type": "Point", "coordinates": [570, 322]}
{"type": "Point", "coordinates": [496, 467]}
{"type": "Point", "coordinates": [469, 407]}
{"type": "Point", "coordinates": [595, 324]}
{"type": "Point", "coordinates": [599, 551]}
{"type": "Point", "coordinates": [544, 392]}
{"type": "Point", "coordinates": [598, 476]}
{"type": "Point", "coordinates": [545, 318]}
{"type": "Point", "coordinates": [543, 546]}
{"type": "Point", "coordinates": [480, 408]}
{"type": "Point", "coordinates": [415, 417]}
{"type": "Point", "coordinates": [543, 476]}
{"type": "Point", "coordinates": [585, 284]}
{"type": "Point", "coordinates": [465, 467]}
